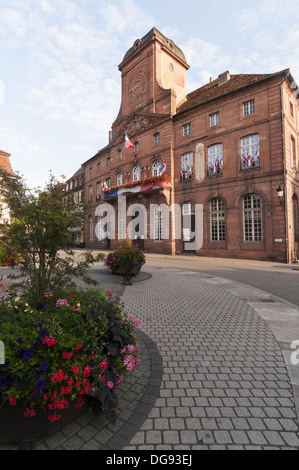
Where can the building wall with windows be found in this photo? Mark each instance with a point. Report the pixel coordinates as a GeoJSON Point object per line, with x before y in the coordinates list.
{"type": "Point", "coordinates": [5, 166]}
{"type": "Point", "coordinates": [226, 146]}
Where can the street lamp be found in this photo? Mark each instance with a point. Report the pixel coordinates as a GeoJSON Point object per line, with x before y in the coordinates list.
{"type": "Point", "coordinates": [279, 192]}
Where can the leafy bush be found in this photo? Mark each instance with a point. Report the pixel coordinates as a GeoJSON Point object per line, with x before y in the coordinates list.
{"type": "Point", "coordinates": [66, 351]}
{"type": "Point", "coordinates": [127, 253]}
{"type": "Point", "coordinates": [8, 256]}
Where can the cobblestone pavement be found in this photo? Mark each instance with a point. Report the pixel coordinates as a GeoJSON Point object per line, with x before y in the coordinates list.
{"type": "Point", "coordinates": [225, 384]}
{"type": "Point", "coordinates": [212, 373]}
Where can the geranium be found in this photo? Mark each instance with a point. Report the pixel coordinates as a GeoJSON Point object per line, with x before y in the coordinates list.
{"type": "Point", "coordinates": [126, 253]}
{"type": "Point", "coordinates": [59, 357]}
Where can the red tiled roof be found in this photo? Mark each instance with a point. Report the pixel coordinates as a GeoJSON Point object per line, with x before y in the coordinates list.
{"type": "Point", "coordinates": [5, 163]}
{"type": "Point", "coordinates": [213, 90]}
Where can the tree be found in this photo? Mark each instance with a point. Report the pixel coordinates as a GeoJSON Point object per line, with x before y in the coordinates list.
{"type": "Point", "coordinates": [40, 232]}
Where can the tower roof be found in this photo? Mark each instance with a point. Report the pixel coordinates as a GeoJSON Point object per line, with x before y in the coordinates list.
{"type": "Point", "coordinates": [167, 43]}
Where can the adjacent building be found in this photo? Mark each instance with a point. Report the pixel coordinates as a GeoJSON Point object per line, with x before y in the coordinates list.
{"type": "Point", "coordinates": [223, 158]}
{"type": "Point", "coordinates": [5, 166]}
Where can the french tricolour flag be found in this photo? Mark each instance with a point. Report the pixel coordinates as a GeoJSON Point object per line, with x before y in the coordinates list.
{"type": "Point", "coordinates": [128, 143]}
{"type": "Point", "coordinates": [162, 169]}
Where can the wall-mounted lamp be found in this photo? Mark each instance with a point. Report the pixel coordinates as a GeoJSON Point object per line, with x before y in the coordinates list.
{"type": "Point", "coordinates": [279, 192]}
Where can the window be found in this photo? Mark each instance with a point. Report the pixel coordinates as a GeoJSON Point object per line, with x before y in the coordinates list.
{"type": "Point", "coordinates": [90, 227]}
{"type": "Point", "coordinates": [136, 147]}
{"type": "Point", "coordinates": [215, 159]}
{"type": "Point", "coordinates": [120, 179]}
{"type": "Point", "coordinates": [98, 190]}
{"type": "Point", "coordinates": [137, 173]}
{"type": "Point", "coordinates": [188, 208]}
{"type": "Point", "coordinates": [291, 109]}
{"type": "Point", "coordinates": [250, 152]}
{"type": "Point", "coordinates": [248, 107]}
{"type": "Point", "coordinates": [71, 185]}
{"type": "Point", "coordinates": [98, 166]}
{"type": "Point", "coordinates": [108, 161]}
{"type": "Point", "coordinates": [186, 129]}
{"type": "Point", "coordinates": [121, 225]}
{"type": "Point", "coordinates": [217, 220]}
{"type": "Point", "coordinates": [187, 166]}
{"type": "Point", "coordinates": [252, 218]}
{"type": "Point", "coordinates": [214, 119]}
{"type": "Point", "coordinates": [293, 152]}
{"type": "Point", "coordinates": [120, 154]}
{"type": "Point", "coordinates": [156, 168]}
{"type": "Point", "coordinates": [158, 223]}
{"type": "Point", "coordinates": [156, 138]}
{"type": "Point", "coordinates": [90, 194]}
{"type": "Point", "coordinates": [108, 183]}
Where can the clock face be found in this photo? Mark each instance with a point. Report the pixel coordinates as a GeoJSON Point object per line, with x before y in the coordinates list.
{"type": "Point", "coordinates": [137, 87]}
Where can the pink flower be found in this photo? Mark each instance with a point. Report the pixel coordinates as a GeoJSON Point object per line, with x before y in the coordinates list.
{"type": "Point", "coordinates": [110, 385]}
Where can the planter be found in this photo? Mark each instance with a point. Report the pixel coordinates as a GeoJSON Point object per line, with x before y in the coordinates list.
{"type": "Point", "coordinates": [122, 270]}
{"type": "Point", "coordinates": [15, 428]}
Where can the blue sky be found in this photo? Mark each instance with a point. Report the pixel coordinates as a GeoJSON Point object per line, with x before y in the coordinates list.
{"type": "Point", "coordinates": [60, 87]}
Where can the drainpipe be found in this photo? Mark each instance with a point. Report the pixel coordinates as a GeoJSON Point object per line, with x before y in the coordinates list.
{"type": "Point", "coordinates": [284, 171]}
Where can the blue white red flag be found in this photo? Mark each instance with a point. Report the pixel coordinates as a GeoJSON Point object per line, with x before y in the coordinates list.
{"type": "Point", "coordinates": [128, 143]}
{"type": "Point", "coordinates": [162, 168]}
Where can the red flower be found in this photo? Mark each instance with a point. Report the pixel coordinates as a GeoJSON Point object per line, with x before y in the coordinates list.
{"type": "Point", "coordinates": [58, 377]}
{"type": "Point", "coordinates": [86, 371]}
{"type": "Point", "coordinates": [75, 369]}
{"type": "Point", "coordinates": [12, 401]}
{"type": "Point", "coordinates": [79, 346]}
{"type": "Point", "coordinates": [103, 365]}
{"type": "Point", "coordinates": [54, 417]}
{"type": "Point", "coordinates": [49, 340]}
{"type": "Point", "coordinates": [29, 413]}
{"type": "Point", "coordinates": [67, 355]}
{"type": "Point", "coordinates": [72, 295]}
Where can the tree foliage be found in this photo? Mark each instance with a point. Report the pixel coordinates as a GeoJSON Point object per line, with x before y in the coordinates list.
{"type": "Point", "coordinates": [40, 231]}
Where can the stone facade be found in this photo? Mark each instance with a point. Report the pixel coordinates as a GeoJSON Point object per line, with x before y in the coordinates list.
{"type": "Point", "coordinates": [227, 148]}
{"type": "Point", "coordinates": [5, 166]}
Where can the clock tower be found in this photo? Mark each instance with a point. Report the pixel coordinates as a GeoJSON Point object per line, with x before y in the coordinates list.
{"type": "Point", "coordinates": [153, 78]}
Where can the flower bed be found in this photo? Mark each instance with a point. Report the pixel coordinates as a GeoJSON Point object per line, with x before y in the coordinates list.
{"type": "Point", "coordinates": [127, 253]}
{"type": "Point", "coordinates": [65, 352]}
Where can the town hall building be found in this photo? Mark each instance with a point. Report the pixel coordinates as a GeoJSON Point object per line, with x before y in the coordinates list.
{"type": "Point", "coordinates": [223, 159]}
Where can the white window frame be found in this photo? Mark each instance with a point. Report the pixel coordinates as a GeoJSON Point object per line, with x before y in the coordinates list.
{"type": "Point", "coordinates": [217, 220]}
{"type": "Point", "coordinates": [120, 179]}
{"type": "Point", "coordinates": [215, 152]}
{"type": "Point", "coordinates": [186, 129]}
{"type": "Point", "coordinates": [90, 228]}
{"type": "Point", "coordinates": [121, 225]}
{"type": "Point", "coordinates": [136, 173]}
{"type": "Point", "coordinates": [157, 138]}
{"type": "Point", "coordinates": [248, 107]}
{"type": "Point", "coordinates": [108, 183]}
{"type": "Point", "coordinates": [187, 159]}
{"type": "Point", "coordinates": [252, 219]}
{"type": "Point", "coordinates": [250, 145]}
{"type": "Point", "coordinates": [156, 167]}
{"type": "Point", "coordinates": [158, 224]}
{"type": "Point", "coordinates": [214, 119]}
{"type": "Point", "coordinates": [188, 208]}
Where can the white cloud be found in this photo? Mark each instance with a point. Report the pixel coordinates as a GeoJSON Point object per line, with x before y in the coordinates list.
{"type": "Point", "coordinates": [207, 60]}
